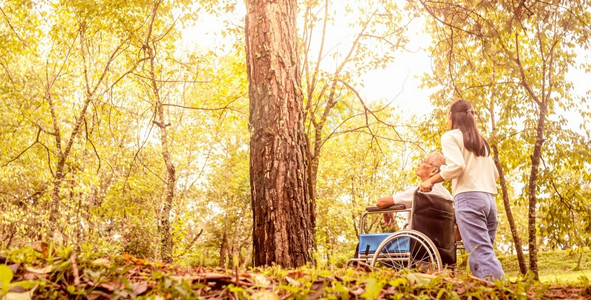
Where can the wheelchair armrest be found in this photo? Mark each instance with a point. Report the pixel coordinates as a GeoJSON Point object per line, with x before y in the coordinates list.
{"type": "Point", "coordinates": [386, 209]}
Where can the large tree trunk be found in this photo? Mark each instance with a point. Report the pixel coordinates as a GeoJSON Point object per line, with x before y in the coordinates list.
{"type": "Point", "coordinates": [510, 218]}
{"type": "Point", "coordinates": [283, 223]}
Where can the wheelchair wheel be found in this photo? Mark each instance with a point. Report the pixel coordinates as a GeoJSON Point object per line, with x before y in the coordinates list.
{"type": "Point", "coordinates": [407, 249]}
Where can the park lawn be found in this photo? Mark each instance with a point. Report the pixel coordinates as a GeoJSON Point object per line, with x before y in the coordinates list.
{"type": "Point", "coordinates": [555, 267]}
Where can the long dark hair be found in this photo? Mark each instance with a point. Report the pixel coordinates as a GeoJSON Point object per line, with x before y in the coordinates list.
{"type": "Point", "coordinates": [462, 118]}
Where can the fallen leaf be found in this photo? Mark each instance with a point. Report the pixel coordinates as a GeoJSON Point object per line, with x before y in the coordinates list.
{"type": "Point", "coordinates": [94, 296]}
{"type": "Point", "coordinates": [358, 291]}
{"type": "Point", "coordinates": [261, 280]}
{"type": "Point", "coordinates": [18, 296]}
{"type": "Point", "coordinates": [31, 276]}
{"type": "Point", "coordinates": [110, 285]}
{"type": "Point", "coordinates": [101, 262]}
{"type": "Point", "coordinates": [296, 274]}
{"type": "Point", "coordinates": [187, 278]}
{"type": "Point", "coordinates": [44, 270]}
{"type": "Point", "coordinates": [139, 288]}
{"type": "Point", "coordinates": [14, 267]}
{"type": "Point", "coordinates": [419, 278]}
{"type": "Point", "coordinates": [45, 249]}
{"type": "Point", "coordinates": [265, 295]}
{"type": "Point", "coordinates": [292, 281]}
{"type": "Point", "coordinates": [16, 289]}
{"type": "Point", "coordinates": [16, 293]}
{"type": "Point", "coordinates": [214, 276]}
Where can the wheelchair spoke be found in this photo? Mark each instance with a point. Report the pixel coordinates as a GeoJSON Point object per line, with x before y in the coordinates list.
{"type": "Point", "coordinates": [407, 249]}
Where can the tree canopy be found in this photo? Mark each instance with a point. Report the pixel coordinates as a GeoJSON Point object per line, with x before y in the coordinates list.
{"type": "Point", "coordinates": [119, 136]}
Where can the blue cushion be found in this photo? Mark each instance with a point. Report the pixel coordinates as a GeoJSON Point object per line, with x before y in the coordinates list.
{"type": "Point", "coordinates": [374, 240]}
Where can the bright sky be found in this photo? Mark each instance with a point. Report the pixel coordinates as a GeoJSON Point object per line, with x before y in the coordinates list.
{"type": "Point", "coordinates": [398, 82]}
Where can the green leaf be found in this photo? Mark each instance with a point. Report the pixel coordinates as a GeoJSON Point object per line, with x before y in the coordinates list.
{"type": "Point", "coordinates": [71, 289]}
{"type": "Point", "coordinates": [5, 275]}
{"type": "Point", "coordinates": [372, 289]}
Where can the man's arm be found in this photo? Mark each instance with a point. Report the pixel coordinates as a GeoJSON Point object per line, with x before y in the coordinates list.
{"type": "Point", "coordinates": [385, 202]}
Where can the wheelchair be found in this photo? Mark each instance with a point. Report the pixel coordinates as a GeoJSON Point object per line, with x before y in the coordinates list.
{"type": "Point", "coordinates": [427, 242]}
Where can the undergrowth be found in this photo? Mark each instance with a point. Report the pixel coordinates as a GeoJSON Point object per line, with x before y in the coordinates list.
{"type": "Point", "coordinates": [65, 274]}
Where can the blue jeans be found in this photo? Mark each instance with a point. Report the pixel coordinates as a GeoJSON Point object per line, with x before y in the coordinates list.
{"type": "Point", "coordinates": [476, 215]}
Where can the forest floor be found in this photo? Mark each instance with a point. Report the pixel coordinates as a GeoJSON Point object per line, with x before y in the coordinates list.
{"type": "Point", "coordinates": [65, 274]}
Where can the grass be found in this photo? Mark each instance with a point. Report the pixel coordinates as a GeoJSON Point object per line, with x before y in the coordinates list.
{"type": "Point", "coordinates": [555, 267]}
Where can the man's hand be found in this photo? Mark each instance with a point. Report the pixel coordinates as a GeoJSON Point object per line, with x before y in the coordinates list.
{"type": "Point", "coordinates": [388, 218]}
{"type": "Point", "coordinates": [426, 186]}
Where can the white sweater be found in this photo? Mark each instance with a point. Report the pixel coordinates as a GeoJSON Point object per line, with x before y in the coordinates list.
{"type": "Point", "coordinates": [468, 172]}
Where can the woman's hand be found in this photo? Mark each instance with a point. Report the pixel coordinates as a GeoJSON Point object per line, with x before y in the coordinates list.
{"type": "Point", "coordinates": [426, 186]}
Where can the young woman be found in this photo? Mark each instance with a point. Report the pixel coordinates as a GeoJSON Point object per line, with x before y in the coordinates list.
{"type": "Point", "coordinates": [473, 175]}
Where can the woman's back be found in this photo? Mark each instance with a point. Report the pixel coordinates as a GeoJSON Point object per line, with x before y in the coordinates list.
{"type": "Point", "coordinates": [468, 172]}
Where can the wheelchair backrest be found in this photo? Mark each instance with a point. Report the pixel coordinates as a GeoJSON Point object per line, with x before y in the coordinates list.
{"type": "Point", "coordinates": [434, 216]}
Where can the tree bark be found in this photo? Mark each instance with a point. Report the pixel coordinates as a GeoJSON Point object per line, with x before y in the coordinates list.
{"type": "Point", "coordinates": [224, 245]}
{"type": "Point", "coordinates": [542, 104]}
{"type": "Point", "coordinates": [64, 153]}
{"type": "Point", "coordinates": [532, 185]}
{"type": "Point", "coordinates": [283, 225]}
{"type": "Point", "coordinates": [164, 222]}
{"type": "Point", "coordinates": [164, 227]}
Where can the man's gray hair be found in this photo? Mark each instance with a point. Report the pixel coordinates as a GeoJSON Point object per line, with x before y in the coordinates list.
{"type": "Point", "coordinates": [437, 159]}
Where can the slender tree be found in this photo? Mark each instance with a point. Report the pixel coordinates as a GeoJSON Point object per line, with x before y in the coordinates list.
{"type": "Point", "coordinates": [377, 34]}
{"type": "Point", "coordinates": [164, 227]}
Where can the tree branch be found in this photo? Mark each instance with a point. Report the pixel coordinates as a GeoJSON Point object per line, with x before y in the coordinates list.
{"type": "Point", "coordinates": [367, 110]}
{"type": "Point", "coordinates": [12, 27]}
{"type": "Point", "coordinates": [521, 70]}
{"type": "Point", "coordinates": [27, 149]}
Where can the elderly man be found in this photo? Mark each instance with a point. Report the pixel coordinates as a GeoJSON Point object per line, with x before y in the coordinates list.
{"type": "Point", "coordinates": [427, 168]}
